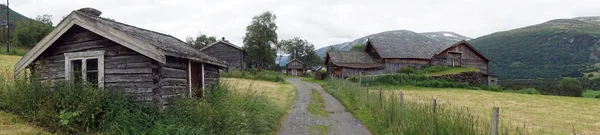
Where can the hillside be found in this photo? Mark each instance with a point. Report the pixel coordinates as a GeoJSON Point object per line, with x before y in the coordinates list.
{"type": "Point", "coordinates": [557, 48]}
{"type": "Point", "coordinates": [14, 17]}
{"type": "Point", "coordinates": [442, 36]}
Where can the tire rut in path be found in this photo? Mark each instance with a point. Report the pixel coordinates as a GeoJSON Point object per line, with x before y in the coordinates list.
{"type": "Point", "coordinates": [299, 118]}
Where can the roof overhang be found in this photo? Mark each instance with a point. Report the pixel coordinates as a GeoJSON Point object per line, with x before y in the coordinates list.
{"type": "Point", "coordinates": [75, 18]}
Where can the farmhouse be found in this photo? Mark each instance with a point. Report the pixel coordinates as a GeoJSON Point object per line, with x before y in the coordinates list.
{"type": "Point", "coordinates": [228, 52]}
{"type": "Point", "coordinates": [294, 67]}
{"type": "Point", "coordinates": [388, 55]}
{"type": "Point", "coordinates": [152, 66]}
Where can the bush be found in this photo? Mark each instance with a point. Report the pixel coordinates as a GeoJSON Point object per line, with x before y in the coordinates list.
{"type": "Point", "coordinates": [407, 70]}
{"type": "Point", "coordinates": [81, 109]}
{"type": "Point", "coordinates": [254, 74]}
{"type": "Point", "coordinates": [526, 91]}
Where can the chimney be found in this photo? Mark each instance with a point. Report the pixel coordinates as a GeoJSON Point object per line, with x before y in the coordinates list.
{"type": "Point", "coordinates": [90, 11]}
{"type": "Point", "coordinates": [223, 38]}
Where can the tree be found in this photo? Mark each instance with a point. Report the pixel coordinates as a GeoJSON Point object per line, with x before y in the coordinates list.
{"type": "Point", "coordinates": [260, 40]}
{"type": "Point", "coordinates": [200, 41]}
{"type": "Point", "coordinates": [28, 33]}
{"type": "Point", "coordinates": [302, 50]}
{"type": "Point", "coordinates": [358, 48]}
{"type": "Point", "coordinates": [569, 86]}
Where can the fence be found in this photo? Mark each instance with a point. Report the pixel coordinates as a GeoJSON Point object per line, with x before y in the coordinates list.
{"type": "Point", "coordinates": [493, 122]}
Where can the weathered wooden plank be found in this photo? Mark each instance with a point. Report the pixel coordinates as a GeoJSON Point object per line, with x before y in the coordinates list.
{"type": "Point", "coordinates": [170, 90]}
{"type": "Point", "coordinates": [83, 46]}
{"type": "Point", "coordinates": [173, 82]}
{"type": "Point", "coordinates": [176, 65]}
{"type": "Point", "coordinates": [173, 73]}
{"type": "Point", "coordinates": [125, 59]}
{"type": "Point", "coordinates": [146, 70]}
{"type": "Point", "coordinates": [118, 85]}
{"type": "Point", "coordinates": [129, 65]}
{"type": "Point", "coordinates": [120, 50]}
{"type": "Point", "coordinates": [80, 37]}
{"type": "Point", "coordinates": [128, 78]}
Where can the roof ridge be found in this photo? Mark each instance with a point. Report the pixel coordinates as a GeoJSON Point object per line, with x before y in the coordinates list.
{"type": "Point", "coordinates": [112, 20]}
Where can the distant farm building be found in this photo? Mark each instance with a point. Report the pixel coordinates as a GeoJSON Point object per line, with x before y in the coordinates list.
{"type": "Point", "coordinates": [228, 52]}
{"type": "Point", "coordinates": [295, 68]}
{"type": "Point", "coordinates": [388, 55]}
{"type": "Point", "coordinates": [154, 67]}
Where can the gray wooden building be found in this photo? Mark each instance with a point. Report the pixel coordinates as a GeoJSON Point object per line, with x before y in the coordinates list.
{"type": "Point", "coordinates": [226, 51]}
{"type": "Point", "coordinates": [294, 67]}
{"type": "Point", "coordinates": [152, 66]}
{"type": "Point", "coordinates": [388, 55]}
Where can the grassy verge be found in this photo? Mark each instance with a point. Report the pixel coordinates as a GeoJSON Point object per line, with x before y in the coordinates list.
{"type": "Point", "coordinates": [454, 70]}
{"type": "Point", "coordinates": [384, 114]}
{"type": "Point", "coordinates": [316, 106]}
{"type": "Point", "coordinates": [7, 62]}
{"type": "Point", "coordinates": [591, 94]}
{"type": "Point", "coordinates": [11, 124]}
{"type": "Point", "coordinates": [318, 129]}
{"type": "Point", "coordinates": [80, 109]}
{"type": "Point", "coordinates": [255, 75]}
{"type": "Point", "coordinates": [532, 114]}
{"type": "Point", "coordinates": [17, 51]}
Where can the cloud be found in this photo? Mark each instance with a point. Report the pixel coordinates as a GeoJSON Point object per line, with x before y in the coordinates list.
{"type": "Point", "coordinates": [321, 22]}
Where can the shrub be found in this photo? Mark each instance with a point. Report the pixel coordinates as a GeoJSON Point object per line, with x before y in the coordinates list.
{"type": "Point", "coordinates": [81, 109]}
{"type": "Point", "coordinates": [407, 70]}
{"type": "Point", "coordinates": [598, 96]}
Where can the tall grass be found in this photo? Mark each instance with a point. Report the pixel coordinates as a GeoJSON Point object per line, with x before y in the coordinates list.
{"type": "Point", "coordinates": [255, 75]}
{"type": "Point", "coordinates": [417, 79]}
{"type": "Point", "coordinates": [80, 109]}
{"type": "Point", "coordinates": [386, 115]}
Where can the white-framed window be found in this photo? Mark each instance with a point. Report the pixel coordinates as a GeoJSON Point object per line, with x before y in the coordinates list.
{"type": "Point", "coordinates": [85, 66]}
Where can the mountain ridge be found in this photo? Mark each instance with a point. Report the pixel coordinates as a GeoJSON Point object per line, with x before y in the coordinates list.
{"type": "Point", "coordinates": [442, 36]}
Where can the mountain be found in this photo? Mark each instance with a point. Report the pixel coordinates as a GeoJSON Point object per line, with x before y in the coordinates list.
{"type": "Point", "coordinates": [442, 36]}
{"type": "Point", "coordinates": [15, 17]}
{"type": "Point", "coordinates": [553, 49]}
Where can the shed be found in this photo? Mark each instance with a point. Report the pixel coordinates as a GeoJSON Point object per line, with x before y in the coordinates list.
{"type": "Point", "coordinates": [151, 66]}
{"type": "Point", "coordinates": [294, 67]}
{"type": "Point", "coordinates": [228, 52]}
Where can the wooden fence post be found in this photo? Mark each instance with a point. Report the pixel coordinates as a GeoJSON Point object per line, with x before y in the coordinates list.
{"type": "Point", "coordinates": [434, 105]}
{"type": "Point", "coordinates": [401, 99]}
{"type": "Point", "coordinates": [495, 112]}
{"type": "Point", "coordinates": [380, 95]}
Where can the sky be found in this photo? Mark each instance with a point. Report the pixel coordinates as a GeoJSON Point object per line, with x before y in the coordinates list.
{"type": "Point", "coordinates": [321, 22]}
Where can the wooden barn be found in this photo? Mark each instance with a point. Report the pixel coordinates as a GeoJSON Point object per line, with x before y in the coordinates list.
{"type": "Point", "coordinates": [152, 66]}
{"type": "Point", "coordinates": [294, 67]}
{"type": "Point", "coordinates": [388, 55]}
{"type": "Point", "coordinates": [228, 52]}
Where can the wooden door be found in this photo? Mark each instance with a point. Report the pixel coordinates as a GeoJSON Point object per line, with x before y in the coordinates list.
{"type": "Point", "coordinates": [196, 79]}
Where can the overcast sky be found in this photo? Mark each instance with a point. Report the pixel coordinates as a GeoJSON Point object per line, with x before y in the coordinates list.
{"type": "Point", "coordinates": [321, 22]}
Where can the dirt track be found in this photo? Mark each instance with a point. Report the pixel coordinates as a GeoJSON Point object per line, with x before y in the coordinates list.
{"type": "Point", "coordinates": [299, 118]}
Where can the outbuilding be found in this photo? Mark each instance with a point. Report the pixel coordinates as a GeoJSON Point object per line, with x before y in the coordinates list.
{"type": "Point", "coordinates": [151, 66]}
{"type": "Point", "coordinates": [294, 67]}
{"type": "Point", "coordinates": [228, 52]}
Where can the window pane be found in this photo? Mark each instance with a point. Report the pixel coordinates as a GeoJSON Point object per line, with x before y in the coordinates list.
{"type": "Point", "coordinates": [92, 77]}
{"type": "Point", "coordinates": [91, 64]}
{"type": "Point", "coordinates": [76, 67]}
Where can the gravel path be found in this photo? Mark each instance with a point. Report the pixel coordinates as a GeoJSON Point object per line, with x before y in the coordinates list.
{"type": "Point", "coordinates": [299, 118]}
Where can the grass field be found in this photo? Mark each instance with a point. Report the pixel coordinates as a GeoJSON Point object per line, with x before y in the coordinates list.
{"type": "Point", "coordinates": [454, 70]}
{"type": "Point", "coordinates": [7, 62]}
{"type": "Point", "coordinates": [283, 94]}
{"type": "Point", "coordinates": [540, 114]}
{"type": "Point", "coordinates": [591, 94]}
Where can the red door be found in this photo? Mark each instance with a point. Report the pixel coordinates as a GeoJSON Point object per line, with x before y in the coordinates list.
{"type": "Point", "coordinates": [196, 79]}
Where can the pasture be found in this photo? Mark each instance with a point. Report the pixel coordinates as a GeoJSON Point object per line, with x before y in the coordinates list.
{"type": "Point", "coordinates": [538, 113]}
{"type": "Point", "coordinates": [7, 62]}
{"type": "Point", "coordinates": [282, 94]}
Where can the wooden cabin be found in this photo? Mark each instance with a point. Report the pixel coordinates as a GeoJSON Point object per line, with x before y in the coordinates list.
{"type": "Point", "coordinates": [152, 66]}
{"type": "Point", "coordinates": [228, 52]}
{"type": "Point", "coordinates": [388, 55]}
{"type": "Point", "coordinates": [295, 68]}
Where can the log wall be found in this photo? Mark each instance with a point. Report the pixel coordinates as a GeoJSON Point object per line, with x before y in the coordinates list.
{"type": "Point", "coordinates": [233, 56]}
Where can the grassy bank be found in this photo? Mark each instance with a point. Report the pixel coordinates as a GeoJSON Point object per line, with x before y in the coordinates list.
{"type": "Point", "coordinates": [384, 114]}
{"type": "Point", "coordinates": [255, 75]}
{"type": "Point", "coordinates": [78, 109]}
